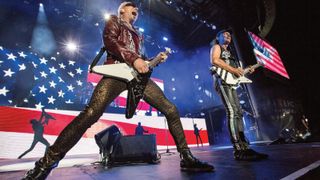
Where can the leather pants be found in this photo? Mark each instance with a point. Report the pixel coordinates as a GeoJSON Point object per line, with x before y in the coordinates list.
{"type": "Point", "coordinates": [231, 103]}
{"type": "Point", "coordinates": [105, 92]}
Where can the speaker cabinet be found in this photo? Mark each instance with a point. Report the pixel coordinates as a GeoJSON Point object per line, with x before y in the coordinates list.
{"type": "Point", "coordinates": [140, 148]}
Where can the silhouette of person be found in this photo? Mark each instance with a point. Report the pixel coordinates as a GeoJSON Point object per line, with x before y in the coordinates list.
{"type": "Point", "coordinates": [140, 130]}
{"type": "Point", "coordinates": [38, 127]}
{"type": "Point", "coordinates": [197, 133]}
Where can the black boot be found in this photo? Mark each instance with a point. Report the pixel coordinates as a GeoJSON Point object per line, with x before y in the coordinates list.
{"type": "Point", "coordinates": [248, 155]}
{"type": "Point", "coordinates": [43, 166]}
{"type": "Point", "coordinates": [190, 163]}
{"type": "Point", "coordinates": [40, 171]}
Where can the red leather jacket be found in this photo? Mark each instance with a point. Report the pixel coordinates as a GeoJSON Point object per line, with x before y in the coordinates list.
{"type": "Point", "coordinates": [123, 43]}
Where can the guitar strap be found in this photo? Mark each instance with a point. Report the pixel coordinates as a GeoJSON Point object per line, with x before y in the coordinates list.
{"type": "Point", "coordinates": [97, 58]}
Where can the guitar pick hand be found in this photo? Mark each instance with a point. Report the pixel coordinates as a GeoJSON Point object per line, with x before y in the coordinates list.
{"type": "Point", "coordinates": [237, 71]}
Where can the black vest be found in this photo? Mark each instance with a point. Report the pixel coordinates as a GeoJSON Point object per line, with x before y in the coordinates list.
{"type": "Point", "coordinates": [227, 57]}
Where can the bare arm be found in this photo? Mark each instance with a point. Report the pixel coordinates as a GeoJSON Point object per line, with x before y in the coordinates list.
{"type": "Point", "coordinates": [215, 60]}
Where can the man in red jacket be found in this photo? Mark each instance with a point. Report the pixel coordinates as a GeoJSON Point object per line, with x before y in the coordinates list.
{"type": "Point", "coordinates": [123, 44]}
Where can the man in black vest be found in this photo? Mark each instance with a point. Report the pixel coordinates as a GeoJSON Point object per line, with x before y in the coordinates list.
{"type": "Point", "coordinates": [221, 57]}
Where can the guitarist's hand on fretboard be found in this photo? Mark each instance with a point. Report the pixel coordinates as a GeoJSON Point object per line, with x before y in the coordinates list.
{"type": "Point", "coordinates": [251, 69]}
{"type": "Point", "coordinates": [141, 66]}
{"type": "Point", "coordinates": [163, 56]}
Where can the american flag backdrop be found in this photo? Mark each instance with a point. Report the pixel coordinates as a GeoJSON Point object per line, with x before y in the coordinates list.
{"type": "Point", "coordinates": [29, 80]}
{"type": "Point", "coordinates": [267, 55]}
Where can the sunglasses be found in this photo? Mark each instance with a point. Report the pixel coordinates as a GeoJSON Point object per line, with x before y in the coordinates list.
{"type": "Point", "coordinates": [134, 13]}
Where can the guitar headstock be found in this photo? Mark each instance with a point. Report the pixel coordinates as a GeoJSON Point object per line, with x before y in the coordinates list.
{"type": "Point", "coordinates": [168, 50]}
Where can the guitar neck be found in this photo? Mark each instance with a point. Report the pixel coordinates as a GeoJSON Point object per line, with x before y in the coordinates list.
{"type": "Point", "coordinates": [154, 62]}
{"type": "Point", "coordinates": [157, 60]}
{"type": "Point", "coordinates": [246, 70]}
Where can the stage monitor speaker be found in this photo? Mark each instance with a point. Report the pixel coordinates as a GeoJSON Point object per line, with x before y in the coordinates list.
{"type": "Point", "coordinates": [107, 139]}
{"type": "Point", "coordinates": [139, 148]}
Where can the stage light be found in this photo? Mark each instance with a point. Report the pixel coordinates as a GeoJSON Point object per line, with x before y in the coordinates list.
{"type": "Point", "coordinates": [106, 16]}
{"type": "Point", "coordinates": [196, 76]}
{"type": "Point", "coordinates": [71, 46]}
{"type": "Point", "coordinates": [200, 101]}
{"type": "Point", "coordinates": [42, 40]}
{"type": "Point", "coordinates": [194, 16]}
{"type": "Point", "coordinates": [173, 79]}
{"type": "Point", "coordinates": [165, 38]}
{"type": "Point", "coordinates": [141, 29]}
{"type": "Point", "coordinates": [214, 27]}
{"type": "Point", "coordinates": [208, 93]}
{"type": "Point", "coordinates": [173, 89]}
{"type": "Point", "coordinates": [168, 2]}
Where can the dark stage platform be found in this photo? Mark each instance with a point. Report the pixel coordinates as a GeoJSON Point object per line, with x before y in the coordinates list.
{"type": "Point", "coordinates": [288, 161]}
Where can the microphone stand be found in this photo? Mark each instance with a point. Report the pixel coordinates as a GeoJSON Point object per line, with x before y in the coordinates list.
{"type": "Point", "coordinates": [166, 134]}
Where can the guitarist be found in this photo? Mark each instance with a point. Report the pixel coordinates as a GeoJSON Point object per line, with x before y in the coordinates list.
{"type": "Point", "coordinates": [221, 56]}
{"type": "Point", "coordinates": [123, 44]}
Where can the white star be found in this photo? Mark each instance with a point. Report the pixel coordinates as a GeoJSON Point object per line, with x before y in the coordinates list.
{"type": "Point", "coordinates": [61, 93]}
{"type": "Point", "coordinates": [79, 83]}
{"type": "Point", "coordinates": [34, 64]}
{"type": "Point", "coordinates": [1, 48]}
{"type": "Point", "coordinates": [1, 62]}
{"type": "Point", "coordinates": [71, 63]}
{"type": "Point", "coordinates": [60, 79]}
{"type": "Point", "coordinates": [39, 106]}
{"type": "Point", "coordinates": [43, 89]}
{"type": "Point", "coordinates": [53, 58]}
{"type": "Point", "coordinates": [71, 74]}
{"type": "Point", "coordinates": [4, 91]}
{"type": "Point", "coordinates": [35, 77]}
{"type": "Point", "coordinates": [11, 56]}
{"type": "Point", "coordinates": [51, 100]}
{"type": "Point", "coordinates": [79, 71]}
{"type": "Point", "coordinates": [53, 70]}
{"type": "Point", "coordinates": [43, 74]}
{"type": "Point", "coordinates": [62, 66]}
{"type": "Point", "coordinates": [69, 102]}
{"type": "Point", "coordinates": [43, 61]}
{"type": "Point", "coordinates": [21, 54]}
{"type": "Point", "coordinates": [21, 67]}
{"type": "Point", "coordinates": [8, 72]}
{"type": "Point", "coordinates": [52, 84]}
{"type": "Point", "coordinates": [70, 88]}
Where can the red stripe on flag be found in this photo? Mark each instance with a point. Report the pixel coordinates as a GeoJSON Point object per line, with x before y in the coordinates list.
{"type": "Point", "coordinates": [18, 120]}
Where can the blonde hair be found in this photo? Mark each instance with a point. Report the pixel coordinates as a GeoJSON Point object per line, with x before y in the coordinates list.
{"type": "Point", "coordinates": [124, 4]}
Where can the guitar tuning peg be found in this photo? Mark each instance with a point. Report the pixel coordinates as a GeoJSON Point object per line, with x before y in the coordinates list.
{"type": "Point", "coordinates": [168, 50]}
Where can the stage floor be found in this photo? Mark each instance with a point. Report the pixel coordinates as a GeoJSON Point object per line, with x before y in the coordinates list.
{"type": "Point", "coordinates": [288, 161]}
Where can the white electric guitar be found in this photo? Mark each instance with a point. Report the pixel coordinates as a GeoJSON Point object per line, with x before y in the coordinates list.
{"type": "Point", "coordinates": [136, 81]}
{"type": "Point", "coordinates": [230, 78]}
{"type": "Point", "coordinates": [124, 72]}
